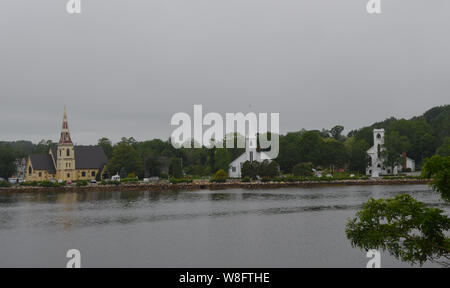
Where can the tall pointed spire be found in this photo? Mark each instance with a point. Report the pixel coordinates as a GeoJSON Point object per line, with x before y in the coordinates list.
{"type": "Point", "coordinates": [65, 134]}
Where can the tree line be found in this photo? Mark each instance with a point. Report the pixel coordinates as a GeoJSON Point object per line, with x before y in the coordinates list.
{"type": "Point", "coordinates": [420, 137]}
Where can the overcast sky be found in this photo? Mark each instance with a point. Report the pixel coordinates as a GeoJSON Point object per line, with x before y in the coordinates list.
{"type": "Point", "coordinates": [124, 67]}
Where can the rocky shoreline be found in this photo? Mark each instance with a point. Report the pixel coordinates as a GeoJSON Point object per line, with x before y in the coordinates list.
{"type": "Point", "coordinates": [213, 186]}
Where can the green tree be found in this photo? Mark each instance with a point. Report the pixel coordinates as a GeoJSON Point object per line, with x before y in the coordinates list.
{"type": "Point", "coordinates": [444, 149]}
{"type": "Point", "coordinates": [268, 169]}
{"type": "Point", "coordinates": [336, 132]}
{"type": "Point", "coordinates": [334, 153]}
{"type": "Point", "coordinates": [405, 227]}
{"type": "Point", "coordinates": [357, 156]}
{"type": "Point", "coordinates": [222, 159]}
{"type": "Point", "coordinates": [395, 145]}
{"type": "Point", "coordinates": [175, 168]}
{"type": "Point", "coordinates": [107, 146]}
{"type": "Point", "coordinates": [152, 166]}
{"type": "Point", "coordinates": [7, 162]}
{"type": "Point", "coordinates": [303, 169]}
{"type": "Point", "coordinates": [438, 168]}
{"type": "Point", "coordinates": [250, 169]}
{"type": "Point", "coordinates": [125, 158]}
{"type": "Point", "coordinates": [44, 146]}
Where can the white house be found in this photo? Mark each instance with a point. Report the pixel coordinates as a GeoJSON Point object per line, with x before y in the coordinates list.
{"type": "Point", "coordinates": [250, 154]}
{"type": "Point", "coordinates": [378, 167]}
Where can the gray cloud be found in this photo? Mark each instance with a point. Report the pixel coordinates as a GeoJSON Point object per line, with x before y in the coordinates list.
{"type": "Point", "coordinates": [124, 67]}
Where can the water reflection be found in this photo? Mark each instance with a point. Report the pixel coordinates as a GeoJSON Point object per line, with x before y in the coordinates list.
{"type": "Point", "coordinates": [176, 222]}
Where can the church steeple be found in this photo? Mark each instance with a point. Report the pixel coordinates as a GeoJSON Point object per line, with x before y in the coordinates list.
{"type": "Point", "coordinates": [65, 134]}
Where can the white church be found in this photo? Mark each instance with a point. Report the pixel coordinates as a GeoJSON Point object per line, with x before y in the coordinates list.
{"type": "Point", "coordinates": [378, 167]}
{"type": "Point", "coordinates": [251, 154]}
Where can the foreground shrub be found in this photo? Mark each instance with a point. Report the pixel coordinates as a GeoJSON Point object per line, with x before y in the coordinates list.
{"type": "Point", "coordinates": [220, 177]}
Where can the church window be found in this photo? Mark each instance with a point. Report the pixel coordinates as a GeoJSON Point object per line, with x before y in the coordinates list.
{"type": "Point", "coordinates": [68, 152]}
{"type": "Point", "coordinates": [60, 153]}
{"type": "Point", "coordinates": [68, 175]}
{"type": "Point", "coordinates": [233, 168]}
{"type": "Point", "coordinates": [378, 136]}
{"type": "Point", "coordinates": [30, 170]}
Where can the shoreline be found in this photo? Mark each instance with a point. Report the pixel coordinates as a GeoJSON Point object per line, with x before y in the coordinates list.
{"type": "Point", "coordinates": [196, 186]}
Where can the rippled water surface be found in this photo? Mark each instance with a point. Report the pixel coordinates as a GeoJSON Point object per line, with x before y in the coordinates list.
{"type": "Point", "coordinates": [293, 227]}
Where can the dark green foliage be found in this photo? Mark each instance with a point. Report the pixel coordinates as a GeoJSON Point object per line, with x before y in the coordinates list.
{"type": "Point", "coordinates": [250, 169]}
{"type": "Point", "coordinates": [404, 227]}
{"type": "Point", "coordinates": [175, 169]}
{"type": "Point", "coordinates": [357, 155]}
{"type": "Point", "coordinates": [268, 169]}
{"type": "Point", "coordinates": [444, 150]}
{"type": "Point", "coordinates": [107, 146]}
{"type": "Point", "coordinates": [395, 145]}
{"type": "Point", "coordinates": [438, 168]}
{"type": "Point", "coordinates": [125, 159]}
{"type": "Point", "coordinates": [7, 162]}
{"type": "Point", "coordinates": [303, 170]}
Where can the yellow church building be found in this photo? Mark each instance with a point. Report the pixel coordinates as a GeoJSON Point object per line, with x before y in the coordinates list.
{"type": "Point", "coordinates": [66, 162]}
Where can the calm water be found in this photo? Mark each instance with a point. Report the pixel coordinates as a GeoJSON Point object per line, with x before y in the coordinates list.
{"type": "Point", "coordinates": [231, 228]}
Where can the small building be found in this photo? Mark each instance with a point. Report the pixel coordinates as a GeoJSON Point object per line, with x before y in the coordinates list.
{"type": "Point", "coordinates": [377, 167]}
{"type": "Point", "coordinates": [251, 154]}
{"type": "Point", "coordinates": [66, 162]}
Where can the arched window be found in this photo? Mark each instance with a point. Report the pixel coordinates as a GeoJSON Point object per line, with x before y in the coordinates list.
{"type": "Point", "coordinates": [68, 152]}
{"type": "Point", "coordinates": [378, 136]}
{"type": "Point", "coordinates": [30, 171]}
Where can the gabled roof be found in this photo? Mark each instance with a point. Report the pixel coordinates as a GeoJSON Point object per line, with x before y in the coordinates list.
{"type": "Point", "coordinates": [43, 162]}
{"type": "Point", "coordinates": [87, 157]}
{"type": "Point", "coordinates": [90, 157]}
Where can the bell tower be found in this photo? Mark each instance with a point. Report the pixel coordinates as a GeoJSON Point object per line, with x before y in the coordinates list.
{"type": "Point", "coordinates": [66, 153]}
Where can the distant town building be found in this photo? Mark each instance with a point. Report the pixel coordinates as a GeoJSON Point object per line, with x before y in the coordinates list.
{"type": "Point", "coordinates": [251, 154]}
{"type": "Point", "coordinates": [66, 162]}
{"type": "Point", "coordinates": [378, 167]}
